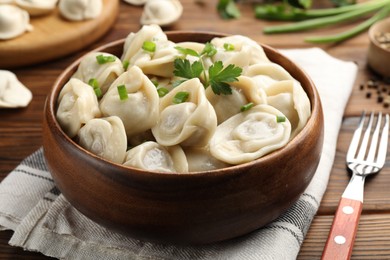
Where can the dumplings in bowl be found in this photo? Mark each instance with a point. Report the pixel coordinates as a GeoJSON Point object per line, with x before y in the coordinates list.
{"type": "Point", "coordinates": [193, 173]}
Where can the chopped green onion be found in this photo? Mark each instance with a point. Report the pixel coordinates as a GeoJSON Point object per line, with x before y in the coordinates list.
{"type": "Point", "coordinates": [93, 83]}
{"type": "Point", "coordinates": [101, 59]}
{"type": "Point", "coordinates": [280, 119]}
{"type": "Point", "coordinates": [155, 82]}
{"type": "Point", "coordinates": [126, 64]}
{"type": "Point", "coordinates": [122, 92]}
{"type": "Point", "coordinates": [98, 92]}
{"type": "Point", "coordinates": [162, 92]}
{"type": "Point", "coordinates": [149, 46]}
{"type": "Point", "coordinates": [246, 107]}
{"type": "Point", "coordinates": [180, 97]}
{"type": "Point", "coordinates": [209, 50]}
{"type": "Point", "coordinates": [228, 47]}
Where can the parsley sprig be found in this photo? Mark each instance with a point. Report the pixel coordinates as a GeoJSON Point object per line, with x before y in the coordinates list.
{"type": "Point", "coordinates": [217, 77]}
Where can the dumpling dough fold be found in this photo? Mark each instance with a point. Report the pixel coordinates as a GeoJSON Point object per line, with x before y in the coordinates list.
{"type": "Point", "coordinates": [191, 123]}
{"type": "Point", "coordinates": [12, 92]}
{"type": "Point", "coordinates": [105, 137]}
{"type": "Point", "coordinates": [250, 135]}
{"type": "Point", "coordinates": [139, 112]}
{"type": "Point", "coordinates": [155, 157]}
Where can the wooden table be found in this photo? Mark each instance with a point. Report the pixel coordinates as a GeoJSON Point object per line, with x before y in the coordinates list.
{"type": "Point", "coordinates": [20, 129]}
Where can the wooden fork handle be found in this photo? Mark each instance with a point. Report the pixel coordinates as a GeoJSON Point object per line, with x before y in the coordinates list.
{"type": "Point", "coordinates": [343, 231]}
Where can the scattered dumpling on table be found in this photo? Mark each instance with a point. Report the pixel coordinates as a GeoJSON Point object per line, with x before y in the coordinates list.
{"type": "Point", "coordinates": [161, 12]}
{"type": "Point", "coordinates": [13, 93]}
{"type": "Point", "coordinates": [14, 22]}
{"type": "Point", "coordinates": [37, 7]}
{"type": "Point", "coordinates": [79, 10]}
{"type": "Point", "coordinates": [176, 114]}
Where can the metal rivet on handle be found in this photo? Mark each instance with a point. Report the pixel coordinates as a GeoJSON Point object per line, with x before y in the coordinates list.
{"type": "Point", "coordinates": [339, 240]}
{"type": "Point", "coordinates": [348, 210]}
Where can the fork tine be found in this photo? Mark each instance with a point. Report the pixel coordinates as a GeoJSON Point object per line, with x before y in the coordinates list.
{"type": "Point", "coordinates": [355, 139]}
{"type": "Point", "coordinates": [383, 143]}
{"type": "Point", "coordinates": [366, 137]}
{"type": "Point", "coordinates": [374, 139]}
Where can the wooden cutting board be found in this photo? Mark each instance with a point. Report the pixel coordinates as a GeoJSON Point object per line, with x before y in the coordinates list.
{"type": "Point", "coordinates": [54, 37]}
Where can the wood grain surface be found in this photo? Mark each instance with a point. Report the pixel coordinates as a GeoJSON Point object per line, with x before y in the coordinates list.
{"type": "Point", "coordinates": [21, 129]}
{"type": "Point", "coordinates": [53, 36]}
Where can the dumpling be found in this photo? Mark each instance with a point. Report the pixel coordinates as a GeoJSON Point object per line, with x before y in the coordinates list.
{"type": "Point", "coordinates": [37, 7]}
{"type": "Point", "coordinates": [77, 104]}
{"type": "Point", "coordinates": [140, 109]}
{"type": "Point", "coordinates": [12, 92]}
{"type": "Point", "coordinates": [13, 22]}
{"type": "Point", "coordinates": [158, 63]}
{"type": "Point", "coordinates": [189, 122]}
{"type": "Point", "coordinates": [200, 159]}
{"type": "Point", "coordinates": [244, 51]}
{"type": "Point", "coordinates": [105, 137]}
{"type": "Point", "coordinates": [289, 97]}
{"type": "Point", "coordinates": [104, 72]}
{"type": "Point", "coordinates": [265, 74]}
{"type": "Point", "coordinates": [161, 12]}
{"type": "Point", "coordinates": [250, 135]}
{"type": "Point", "coordinates": [134, 41]}
{"type": "Point", "coordinates": [155, 157]}
{"type": "Point", "coordinates": [244, 91]}
{"type": "Point", "coordinates": [78, 10]}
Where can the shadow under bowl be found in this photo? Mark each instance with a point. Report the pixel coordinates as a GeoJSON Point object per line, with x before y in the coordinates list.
{"type": "Point", "coordinates": [198, 208]}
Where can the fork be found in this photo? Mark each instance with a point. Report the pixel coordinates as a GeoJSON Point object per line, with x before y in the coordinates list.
{"type": "Point", "coordinates": [345, 223]}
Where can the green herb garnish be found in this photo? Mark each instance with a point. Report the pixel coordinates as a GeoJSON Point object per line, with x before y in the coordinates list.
{"type": "Point", "coordinates": [209, 50]}
{"type": "Point", "coordinates": [180, 97]}
{"type": "Point", "coordinates": [187, 51]}
{"type": "Point", "coordinates": [184, 69]}
{"type": "Point", "coordinates": [93, 83]}
{"type": "Point", "coordinates": [98, 92]}
{"type": "Point", "coordinates": [162, 92]}
{"type": "Point", "coordinates": [101, 59]}
{"type": "Point", "coordinates": [122, 92]}
{"type": "Point", "coordinates": [219, 76]}
{"type": "Point", "coordinates": [228, 47]}
{"type": "Point", "coordinates": [227, 9]}
{"type": "Point", "coordinates": [149, 46]}
{"type": "Point", "coordinates": [125, 64]}
{"type": "Point", "coordinates": [246, 107]}
{"type": "Point", "coordinates": [280, 119]}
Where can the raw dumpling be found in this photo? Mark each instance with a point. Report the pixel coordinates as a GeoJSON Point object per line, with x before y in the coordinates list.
{"type": "Point", "coordinates": [139, 111]}
{"type": "Point", "coordinates": [12, 92]}
{"type": "Point", "coordinates": [78, 10]}
{"type": "Point", "coordinates": [155, 157]}
{"type": "Point", "coordinates": [13, 22]}
{"type": "Point", "coordinates": [244, 91]}
{"type": "Point", "coordinates": [77, 104]}
{"type": "Point", "coordinates": [289, 97]}
{"type": "Point", "coordinates": [37, 7]}
{"type": "Point", "coordinates": [160, 62]}
{"type": "Point", "coordinates": [134, 41]}
{"type": "Point", "coordinates": [200, 159]}
{"type": "Point", "coordinates": [189, 123]}
{"type": "Point", "coordinates": [104, 73]}
{"type": "Point", "coordinates": [136, 2]}
{"type": "Point", "coordinates": [105, 137]}
{"type": "Point", "coordinates": [245, 51]}
{"type": "Point", "coordinates": [161, 12]}
{"type": "Point", "coordinates": [250, 135]}
{"type": "Point", "coordinates": [265, 74]}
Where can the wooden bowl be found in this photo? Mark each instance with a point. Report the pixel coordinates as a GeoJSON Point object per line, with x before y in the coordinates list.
{"type": "Point", "coordinates": [378, 56]}
{"type": "Point", "coordinates": [197, 208]}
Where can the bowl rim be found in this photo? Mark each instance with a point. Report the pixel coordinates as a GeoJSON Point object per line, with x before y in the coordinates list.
{"type": "Point", "coordinates": [51, 106]}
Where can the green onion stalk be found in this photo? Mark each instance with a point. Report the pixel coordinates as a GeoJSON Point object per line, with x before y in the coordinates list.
{"type": "Point", "coordinates": [363, 9]}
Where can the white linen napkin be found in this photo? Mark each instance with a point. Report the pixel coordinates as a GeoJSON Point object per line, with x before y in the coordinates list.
{"type": "Point", "coordinates": [44, 221]}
